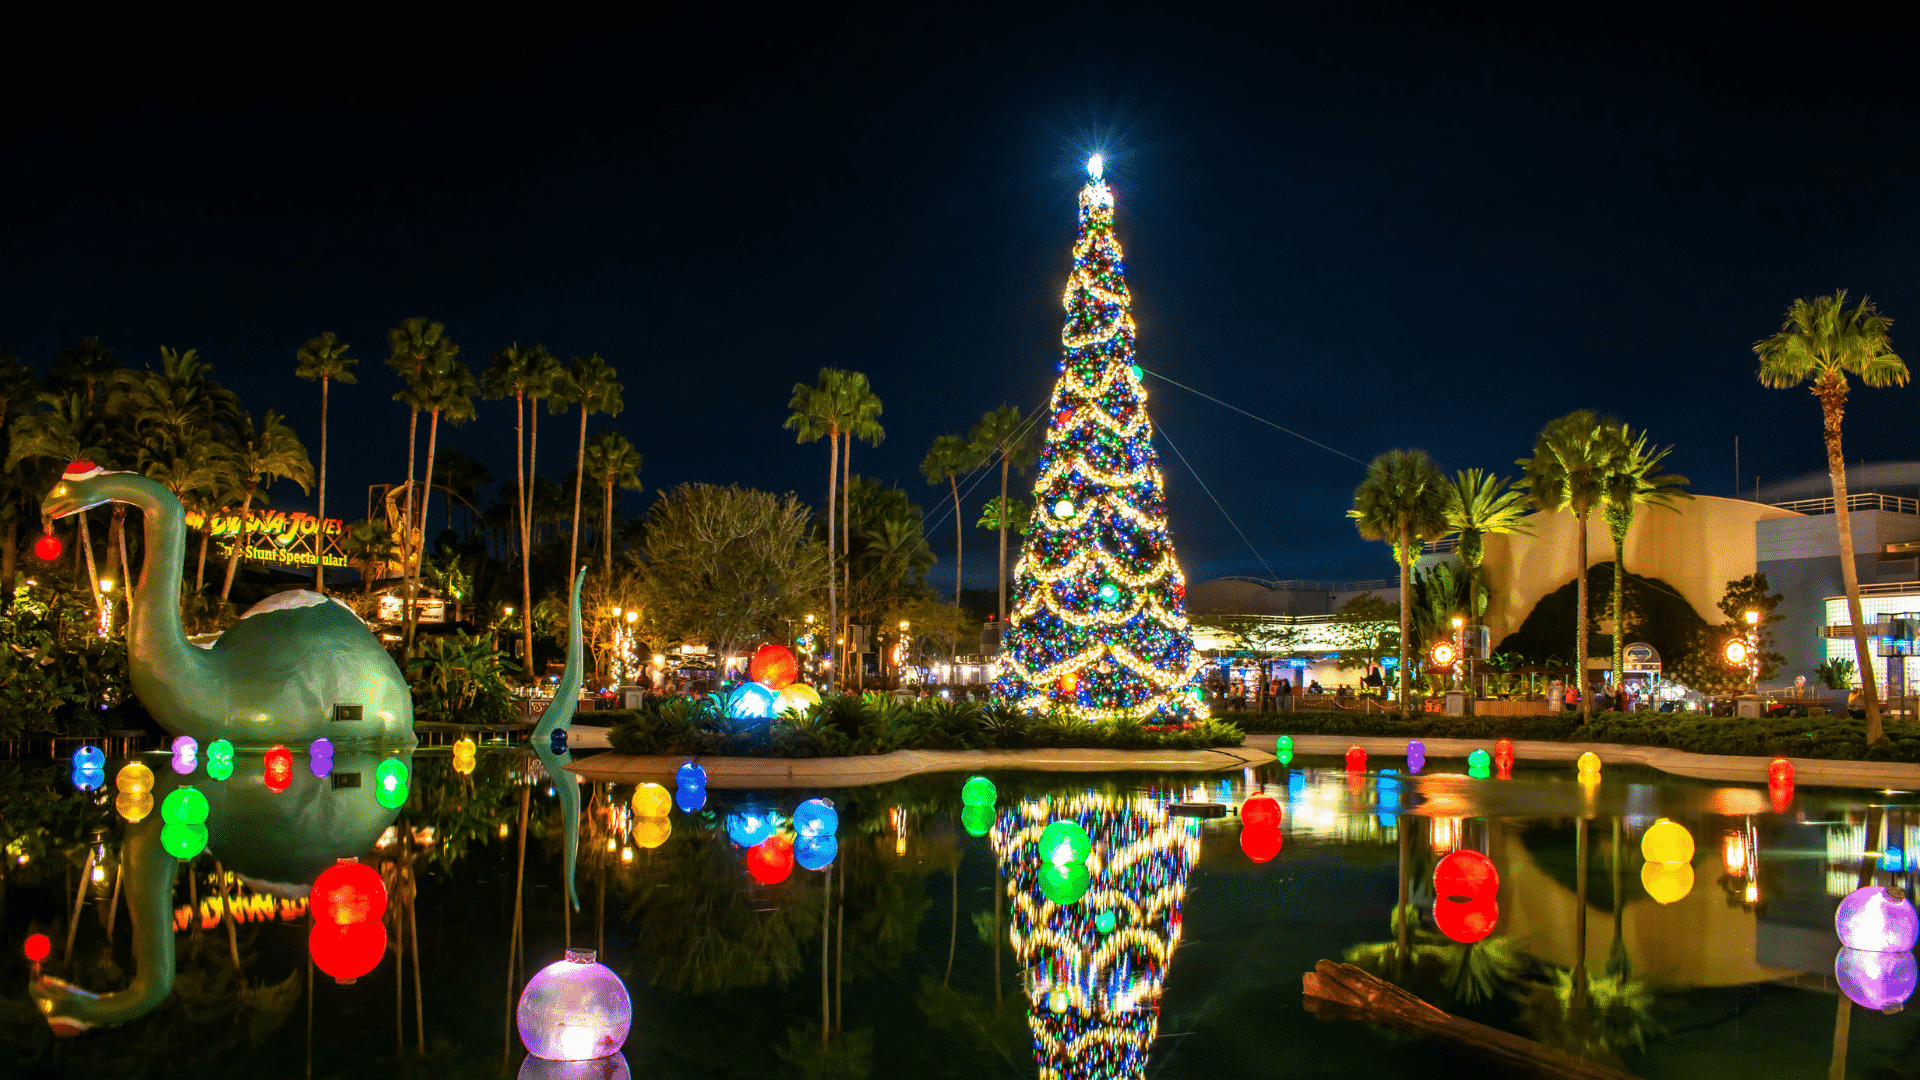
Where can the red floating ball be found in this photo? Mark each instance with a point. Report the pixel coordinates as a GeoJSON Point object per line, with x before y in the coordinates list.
{"type": "Point", "coordinates": [1261, 842]}
{"type": "Point", "coordinates": [770, 860]}
{"type": "Point", "coordinates": [1781, 792]}
{"type": "Point", "coordinates": [1356, 759]}
{"type": "Point", "coordinates": [774, 667]}
{"type": "Point", "coordinates": [279, 766]}
{"type": "Point", "coordinates": [347, 952]}
{"type": "Point", "coordinates": [349, 892]}
{"type": "Point", "coordinates": [38, 947]}
{"type": "Point", "coordinates": [47, 548]}
{"type": "Point", "coordinates": [1466, 922]}
{"type": "Point", "coordinates": [1260, 811]}
{"type": "Point", "coordinates": [1466, 875]}
{"type": "Point", "coordinates": [1503, 753]}
{"type": "Point", "coordinates": [1780, 769]}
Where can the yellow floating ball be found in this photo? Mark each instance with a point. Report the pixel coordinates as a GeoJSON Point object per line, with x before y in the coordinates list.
{"type": "Point", "coordinates": [797, 698]}
{"type": "Point", "coordinates": [1589, 763]}
{"type": "Point", "coordinates": [1667, 842]}
{"type": "Point", "coordinates": [133, 779]}
{"type": "Point", "coordinates": [134, 805]}
{"type": "Point", "coordinates": [651, 801]}
{"type": "Point", "coordinates": [651, 832]}
{"type": "Point", "coordinates": [1667, 882]}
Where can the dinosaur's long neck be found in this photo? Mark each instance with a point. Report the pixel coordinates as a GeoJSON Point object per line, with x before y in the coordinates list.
{"type": "Point", "coordinates": [566, 697]}
{"type": "Point", "coordinates": [157, 646]}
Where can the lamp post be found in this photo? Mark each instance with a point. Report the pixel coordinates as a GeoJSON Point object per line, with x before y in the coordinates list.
{"type": "Point", "coordinates": [1753, 654]}
{"type": "Point", "coordinates": [1459, 651]}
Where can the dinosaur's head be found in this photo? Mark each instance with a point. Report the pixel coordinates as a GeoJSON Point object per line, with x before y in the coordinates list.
{"type": "Point", "coordinates": [62, 1004]}
{"type": "Point", "coordinates": [76, 490]}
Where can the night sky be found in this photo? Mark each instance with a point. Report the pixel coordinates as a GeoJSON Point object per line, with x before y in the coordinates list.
{"type": "Point", "coordinates": [1376, 226]}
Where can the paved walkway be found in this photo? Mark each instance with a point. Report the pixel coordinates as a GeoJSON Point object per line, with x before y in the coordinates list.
{"type": "Point", "coordinates": [745, 772]}
{"type": "Point", "coordinates": [1815, 771]}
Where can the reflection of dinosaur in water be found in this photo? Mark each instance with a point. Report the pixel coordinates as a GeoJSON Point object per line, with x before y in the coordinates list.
{"type": "Point", "coordinates": [277, 843]}
{"type": "Point", "coordinates": [295, 667]}
{"type": "Point", "coordinates": [1095, 966]}
{"type": "Point", "coordinates": [566, 698]}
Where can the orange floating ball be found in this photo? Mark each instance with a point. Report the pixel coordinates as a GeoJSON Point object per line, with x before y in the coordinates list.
{"type": "Point", "coordinates": [1503, 753]}
{"type": "Point", "coordinates": [774, 667]}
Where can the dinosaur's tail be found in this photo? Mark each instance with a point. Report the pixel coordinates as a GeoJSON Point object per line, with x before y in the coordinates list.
{"type": "Point", "coordinates": [566, 698]}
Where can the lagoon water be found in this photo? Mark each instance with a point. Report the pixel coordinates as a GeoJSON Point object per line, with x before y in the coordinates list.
{"type": "Point", "coordinates": [1177, 952]}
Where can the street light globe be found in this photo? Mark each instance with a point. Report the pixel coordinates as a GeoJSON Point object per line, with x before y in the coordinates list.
{"type": "Point", "coordinates": [1458, 622]}
{"type": "Point", "coordinates": [1753, 618]}
{"type": "Point", "coordinates": [508, 609]}
{"type": "Point", "coordinates": [903, 624]}
{"type": "Point", "coordinates": [106, 584]}
{"type": "Point", "coordinates": [1096, 165]}
{"type": "Point", "coordinates": [616, 613]}
{"type": "Point", "coordinates": [658, 660]}
{"type": "Point", "coordinates": [633, 616]}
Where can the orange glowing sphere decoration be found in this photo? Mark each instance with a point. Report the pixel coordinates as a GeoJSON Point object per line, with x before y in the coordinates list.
{"type": "Point", "coordinates": [771, 860]}
{"type": "Point", "coordinates": [47, 548]}
{"type": "Point", "coordinates": [1735, 652]}
{"type": "Point", "coordinates": [1069, 682]}
{"type": "Point", "coordinates": [347, 952]}
{"type": "Point", "coordinates": [279, 766]}
{"type": "Point", "coordinates": [774, 667]}
{"type": "Point", "coordinates": [1260, 811]}
{"type": "Point", "coordinates": [349, 892]}
{"type": "Point", "coordinates": [1442, 654]}
{"type": "Point", "coordinates": [1261, 842]}
{"type": "Point", "coordinates": [1779, 769]}
{"type": "Point", "coordinates": [1356, 759]}
{"type": "Point", "coordinates": [1503, 753]}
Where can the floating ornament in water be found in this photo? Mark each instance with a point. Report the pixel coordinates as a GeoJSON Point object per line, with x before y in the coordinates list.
{"type": "Point", "coordinates": [1877, 919]}
{"type": "Point", "coordinates": [1667, 842]}
{"type": "Point", "coordinates": [651, 801]}
{"type": "Point", "coordinates": [816, 852]}
{"type": "Point", "coordinates": [977, 820]}
{"type": "Point", "coordinates": [219, 759]}
{"type": "Point", "coordinates": [1882, 981]}
{"type": "Point", "coordinates": [689, 799]}
{"type": "Point", "coordinates": [978, 791]}
{"type": "Point", "coordinates": [133, 778]}
{"type": "Point", "coordinates": [1356, 759]}
{"type": "Point", "coordinates": [771, 860]}
{"type": "Point", "coordinates": [1479, 764]}
{"type": "Point", "coordinates": [1260, 810]}
{"type": "Point", "coordinates": [816, 817]}
{"type": "Point", "coordinates": [1416, 755]}
{"type": "Point", "coordinates": [690, 775]}
{"type": "Point", "coordinates": [607, 1068]}
{"type": "Point", "coordinates": [574, 1010]}
{"type": "Point", "coordinates": [749, 827]}
{"type": "Point", "coordinates": [1667, 883]}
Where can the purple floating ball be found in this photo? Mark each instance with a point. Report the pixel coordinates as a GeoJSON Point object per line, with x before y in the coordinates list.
{"type": "Point", "coordinates": [1878, 920]}
{"type": "Point", "coordinates": [575, 1010]}
{"type": "Point", "coordinates": [1882, 981]}
{"type": "Point", "coordinates": [322, 747]}
{"type": "Point", "coordinates": [1416, 755]}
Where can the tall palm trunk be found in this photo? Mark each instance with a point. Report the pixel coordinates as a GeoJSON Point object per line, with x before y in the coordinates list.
{"type": "Point", "coordinates": [426, 498]}
{"type": "Point", "coordinates": [240, 542]}
{"type": "Point", "coordinates": [206, 538]}
{"type": "Point", "coordinates": [406, 532]}
{"type": "Point", "coordinates": [1580, 643]}
{"type": "Point", "coordinates": [1833, 404]}
{"type": "Point", "coordinates": [606, 526]}
{"type": "Point", "coordinates": [1406, 605]}
{"type": "Point", "coordinates": [579, 478]}
{"type": "Point", "coordinates": [126, 572]}
{"type": "Point", "coordinates": [846, 553]}
{"type": "Point", "coordinates": [9, 564]}
{"type": "Point", "coordinates": [526, 543]}
{"type": "Point", "coordinates": [959, 536]}
{"type": "Point", "coordinates": [833, 579]}
{"type": "Point", "coordinates": [1004, 465]}
{"type": "Point", "coordinates": [320, 534]}
{"type": "Point", "coordinates": [1620, 604]}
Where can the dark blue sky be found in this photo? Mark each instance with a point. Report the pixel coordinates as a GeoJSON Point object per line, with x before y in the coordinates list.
{"type": "Point", "coordinates": [1377, 226]}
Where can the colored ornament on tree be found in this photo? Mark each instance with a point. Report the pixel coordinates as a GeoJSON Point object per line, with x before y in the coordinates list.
{"type": "Point", "coordinates": [1101, 584]}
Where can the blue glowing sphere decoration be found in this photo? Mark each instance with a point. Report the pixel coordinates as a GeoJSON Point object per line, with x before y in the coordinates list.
{"type": "Point", "coordinates": [689, 799]}
{"type": "Point", "coordinates": [88, 779]}
{"type": "Point", "coordinates": [558, 740]}
{"type": "Point", "coordinates": [574, 1010]}
{"type": "Point", "coordinates": [751, 702]}
{"type": "Point", "coordinates": [749, 827]}
{"type": "Point", "coordinates": [816, 852]}
{"type": "Point", "coordinates": [91, 758]}
{"type": "Point", "coordinates": [1882, 981]}
{"type": "Point", "coordinates": [690, 775]}
{"type": "Point", "coordinates": [816, 817]}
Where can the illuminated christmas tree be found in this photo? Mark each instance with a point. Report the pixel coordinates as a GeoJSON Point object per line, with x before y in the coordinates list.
{"type": "Point", "coordinates": [1099, 625]}
{"type": "Point", "coordinates": [1095, 942]}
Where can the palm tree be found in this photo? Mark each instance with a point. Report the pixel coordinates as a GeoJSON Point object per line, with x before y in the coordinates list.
{"type": "Point", "coordinates": [1823, 343]}
{"type": "Point", "coordinates": [1572, 460]}
{"type": "Point", "coordinates": [1002, 433]}
{"type": "Point", "coordinates": [821, 411]}
{"type": "Point", "coordinates": [17, 386]}
{"type": "Point", "coordinates": [414, 346]}
{"type": "Point", "coordinates": [612, 460]}
{"type": "Point", "coordinates": [195, 473]}
{"type": "Point", "coordinates": [862, 407]}
{"type": "Point", "coordinates": [512, 376]}
{"type": "Point", "coordinates": [1631, 483]}
{"type": "Point", "coordinates": [368, 546]}
{"type": "Point", "coordinates": [268, 453]}
{"type": "Point", "coordinates": [1479, 505]}
{"type": "Point", "coordinates": [950, 456]}
{"type": "Point", "coordinates": [324, 358]}
{"type": "Point", "coordinates": [84, 369]}
{"type": "Point", "coordinates": [66, 431]}
{"type": "Point", "coordinates": [599, 389]}
{"type": "Point", "coordinates": [446, 390]}
{"type": "Point", "coordinates": [1403, 501]}
{"type": "Point", "coordinates": [548, 380]}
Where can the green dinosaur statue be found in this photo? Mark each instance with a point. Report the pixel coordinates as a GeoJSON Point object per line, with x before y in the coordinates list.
{"type": "Point", "coordinates": [278, 843]}
{"type": "Point", "coordinates": [295, 667]}
{"type": "Point", "coordinates": [566, 698]}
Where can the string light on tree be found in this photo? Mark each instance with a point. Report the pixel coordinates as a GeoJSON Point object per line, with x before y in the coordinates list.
{"type": "Point", "coordinates": [1098, 626]}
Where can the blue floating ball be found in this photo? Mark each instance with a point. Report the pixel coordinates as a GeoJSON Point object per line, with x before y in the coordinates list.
{"type": "Point", "coordinates": [1892, 860]}
{"type": "Point", "coordinates": [816, 817]}
{"type": "Point", "coordinates": [559, 740]}
{"type": "Point", "coordinates": [88, 779]}
{"type": "Point", "coordinates": [749, 827]}
{"type": "Point", "coordinates": [690, 799]}
{"type": "Point", "coordinates": [691, 775]}
{"type": "Point", "coordinates": [816, 852]}
{"type": "Point", "coordinates": [751, 702]}
{"type": "Point", "coordinates": [91, 758]}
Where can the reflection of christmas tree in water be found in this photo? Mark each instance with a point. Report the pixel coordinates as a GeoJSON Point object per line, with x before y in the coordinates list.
{"type": "Point", "coordinates": [1094, 966]}
{"type": "Point", "coordinates": [1099, 625]}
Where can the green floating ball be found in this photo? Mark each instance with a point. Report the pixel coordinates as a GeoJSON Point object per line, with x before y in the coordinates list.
{"type": "Point", "coordinates": [1065, 843]}
{"type": "Point", "coordinates": [390, 784]}
{"type": "Point", "coordinates": [220, 759]}
{"type": "Point", "coordinates": [979, 791]}
{"type": "Point", "coordinates": [1285, 754]}
{"type": "Point", "coordinates": [1064, 884]}
{"type": "Point", "coordinates": [1480, 759]}
{"type": "Point", "coordinates": [1105, 921]}
{"type": "Point", "coordinates": [184, 806]}
{"type": "Point", "coordinates": [977, 819]}
{"type": "Point", "coordinates": [1283, 743]}
{"type": "Point", "coordinates": [183, 841]}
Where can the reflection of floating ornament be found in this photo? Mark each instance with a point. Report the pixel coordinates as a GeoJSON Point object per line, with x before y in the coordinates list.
{"type": "Point", "coordinates": [183, 841]}
{"type": "Point", "coordinates": [747, 827]}
{"type": "Point", "coordinates": [1479, 764]}
{"type": "Point", "coordinates": [219, 759]}
{"type": "Point", "coordinates": [977, 819]}
{"type": "Point", "coordinates": [1064, 884]}
{"type": "Point", "coordinates": [1261, 843]}
{"type": "Point", "coordinates": [816, 852]}
{"type": "Point", "coordinates": [574, 1010]}
{"type": "Point", "coordinates": [1780, 792]}
{"type": "Point", "coordinates": [133, 778]}
{"type": "Point", "coordinates": [689, 799]}
{"type": "Point", "coordinates": [347, 952]}
{"type": "Point", "coordinates": [1466, 875]}
{"type": "Point", "coordinates": [390, 780]}
{"type": "Point", "coordinates": [1667, 882]}
{"type": "Point", "coordinates": [1882, 981]}
{"type": "Point", "coordinates": [1065, 843]}
{"type": "Point", "coordinates": [816, 817]}
{"type": "Point", "coordinates": [349, 892]}
{"type": "Point", "coordinates": [1503, 753]}
{"type": "Point", "coordinates": [134, 806]}
{"type": "Point", "coordinates": [651, 832]}
{"type": "Point", "coordinates": [1877, 919]}
{"type": "Point", "coordinates": [1466, 921]}
{"type": "Point", "coordinates": [771, 860]}
{"type": "Point", "coordinates": [609, 1068]}
{"type": "Point", "coordinates": [91, 758]}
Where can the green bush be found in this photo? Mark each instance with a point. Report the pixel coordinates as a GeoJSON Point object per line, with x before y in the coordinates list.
{"type": "Point", "coordinates": [855, 725]}
{"type": "Point", "coordinates": [1838, 738]}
